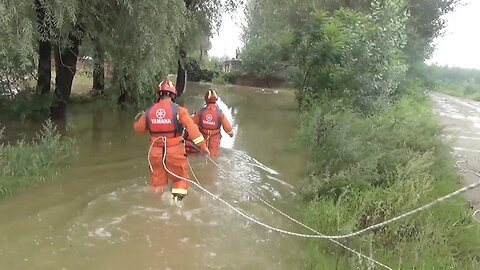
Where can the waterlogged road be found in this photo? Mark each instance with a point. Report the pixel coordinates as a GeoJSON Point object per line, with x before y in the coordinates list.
{"type": "Point", "coordinates": [99, 213]}
{"type": "Point", "coordinates": [461, 120]}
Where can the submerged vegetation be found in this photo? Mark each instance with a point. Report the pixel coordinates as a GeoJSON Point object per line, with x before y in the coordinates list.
{"type": "Point", "coordinates": [376, 150]}
{"type": "Point", "coordinates": [25, 163]}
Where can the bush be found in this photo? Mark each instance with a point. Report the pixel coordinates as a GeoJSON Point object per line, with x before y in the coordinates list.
{"type": "Point", "coordinates": [28, 162]}
{"type": "Point", "coordinates": [470, 89]}
{"type": "Point", "coordinates": [225, 78]}
{"type": "Point", "coordinates": [197, 74]}
{"type": "Point", "coordinates": [27, 105]}
{"type": "Point", "coordinates": [368, 169]}
{"type": "Point", "coordinates": [352, 58]}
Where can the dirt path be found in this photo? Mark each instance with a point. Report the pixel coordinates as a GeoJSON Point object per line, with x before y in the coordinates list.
{"type": "Point", "coordinates": [461, 119]}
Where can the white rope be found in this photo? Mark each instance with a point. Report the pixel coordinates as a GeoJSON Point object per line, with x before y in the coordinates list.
{"type": "Point", "coordinates": [300, 223]}
{"type": "Point", "coordinates": [150, 150]}
{"type": "Point", "coordinates": [296, 221]}
{"type": "Point", "coordinates": [474, 215]}
{"type": "Point", "coordinates": [193, 173]}
{"type": "Point", "coordinates": [375, 226]}
{"type": "Point", "coordinates": [271, 206]}
{"type": "Point", "coordinates": [318, 235]}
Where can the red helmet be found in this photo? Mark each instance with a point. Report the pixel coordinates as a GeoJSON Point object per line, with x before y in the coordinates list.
{"type": "Point", "coordinates": [211, 96]}
{"type": "Point", "coordinates": [166, 86]}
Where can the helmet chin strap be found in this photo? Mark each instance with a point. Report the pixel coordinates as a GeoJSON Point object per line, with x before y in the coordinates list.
{"type": "Point", "coordinates": [158, 96]}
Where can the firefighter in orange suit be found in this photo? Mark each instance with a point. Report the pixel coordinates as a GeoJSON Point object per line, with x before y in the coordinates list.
{"type": "Point", "coordinates": [165, 121]}
{"type": "Point", "coordinates": [209, 120]}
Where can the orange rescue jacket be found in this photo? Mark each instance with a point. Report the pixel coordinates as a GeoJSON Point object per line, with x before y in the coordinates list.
{"type": "Point", "coordinates": [210, 119]}
{"type": "Point", "coordinates": [167, 119]}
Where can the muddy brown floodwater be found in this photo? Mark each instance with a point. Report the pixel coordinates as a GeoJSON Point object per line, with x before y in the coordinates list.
{"type": "Point", "coordinates": [99, 213]}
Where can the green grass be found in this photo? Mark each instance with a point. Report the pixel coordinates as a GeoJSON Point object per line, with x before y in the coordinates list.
{"type": "Point", "coordinates": [369, 169]}
{"type": "Point", "coordinates": [82, 82]}
{"type": "Point", "coordinates": [466, 90]}
{"type": "Point", "coordinates": [26, 163]}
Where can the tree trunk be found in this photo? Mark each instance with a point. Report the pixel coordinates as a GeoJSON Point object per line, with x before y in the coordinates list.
{"type": "Point", "coordinates": [181, 74]}
{"type": "Point", "coordinates": [120, 79]}
{"type": "Point", "coordinates": [44, 51]}
{"type": "Point", "coordinates": [99, 52]}
{"type": "Point", "coordinates": [66, 67]}
{"type": "Point", "coordinates": [44, 80]}
{"type": "Point", "coordinates": [98, 68]}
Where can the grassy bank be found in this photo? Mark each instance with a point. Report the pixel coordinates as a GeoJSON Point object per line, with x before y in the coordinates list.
{"type": "Point", "coordinates": [369, 169]}
{"type": "Point", "coordinates": [28, 162]}
{"type": "Point", "coordinates": [460, 82]}
{"type": "Point", "coordinates": [460, 92]}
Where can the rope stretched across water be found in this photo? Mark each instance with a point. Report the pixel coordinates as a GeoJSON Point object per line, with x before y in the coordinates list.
{"type": "Point", "coordinates": [318, 235]}
{"type": "Point", "coordinates": [266, 203]}
{"type": "Point", "coordinates": [372, 227]}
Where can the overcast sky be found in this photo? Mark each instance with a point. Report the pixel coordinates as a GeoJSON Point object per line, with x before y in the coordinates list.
{"type": "Point", "coordinates": [459, 46]}
{"type": "Point", "coordinates": [229, 37]}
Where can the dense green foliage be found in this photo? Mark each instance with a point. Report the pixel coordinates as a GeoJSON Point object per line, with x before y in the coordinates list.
{"type": "Point", "coordinates": [137, 41]}
{"type": "Point", "coordinates": [367, 170]}
{"type": "Point", "coordinates": [25, 163]}
{"type": "Point", "coordinates": [352, 58]}
{"type": "Point", "coordinates": [376, 151]}
{"type": "Point", "coordinates": [209, 70]}
{"type": "Point", "coordinates": [197, 73]}
{"type": "Point", "coordinates": [26, 105]}
{"type": "Point", "coordinates": [454, 81]}
{"type": "Point", "coordinates": [345, 55]}
{"type": "Point", "coordinates": [273, 25]}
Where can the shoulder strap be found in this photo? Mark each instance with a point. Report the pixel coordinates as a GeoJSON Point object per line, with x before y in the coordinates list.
{"type": "Point", "coordinates": [176, 123]}
{"type": "Point", "coordinates": [147, 117]}
{"type": "Point", "coordinates": [200, 117]}
{"type": "Point", "coordinates": [219, 118]}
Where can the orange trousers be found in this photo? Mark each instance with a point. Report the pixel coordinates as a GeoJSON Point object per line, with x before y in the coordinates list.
{"type": "Point", "coordinates": [213, 143]}
{"type": "Point", "coordinates": [176, 162]}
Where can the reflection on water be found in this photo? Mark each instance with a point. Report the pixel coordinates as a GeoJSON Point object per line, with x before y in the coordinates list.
{"type": "Point", "coordinates": [99, 213]}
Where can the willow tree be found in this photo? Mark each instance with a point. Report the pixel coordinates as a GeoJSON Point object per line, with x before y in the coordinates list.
{"type": "Point", "coordinates": [156, 40]}
{"type": "Point", "coordinates": [17, 40]}
{"type": "Point", "coordinates": [36, 28]}
{"type": "Point", "coordinates": [142, 51]}
{"type": "Point", "coordinates": [140, 38]}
